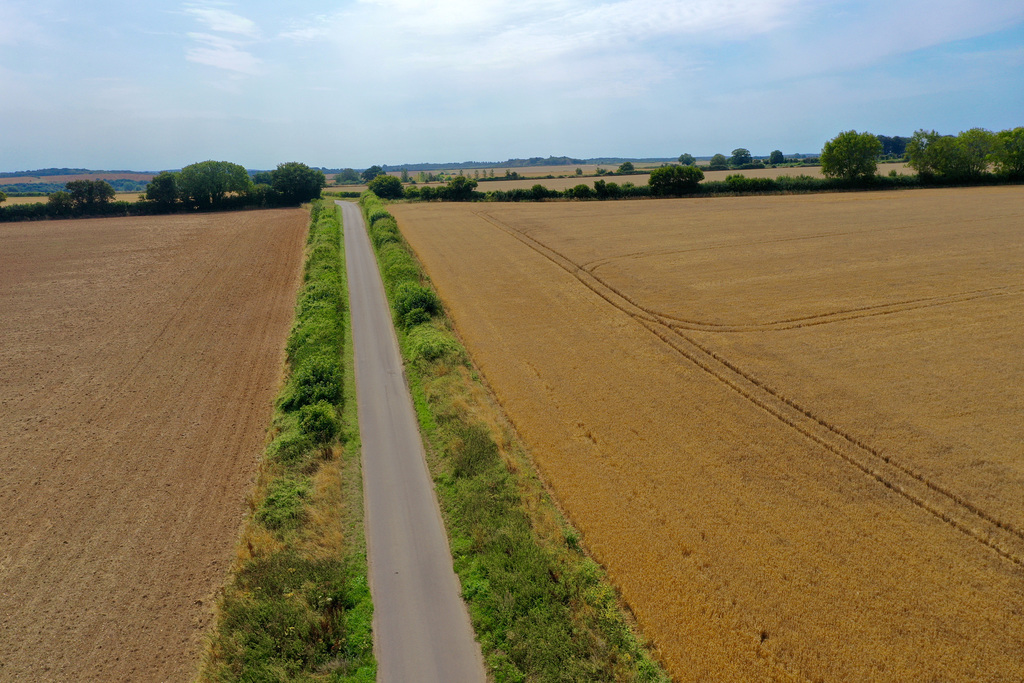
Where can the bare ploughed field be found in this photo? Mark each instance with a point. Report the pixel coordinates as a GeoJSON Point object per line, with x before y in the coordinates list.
{"type": "Point", "coordinates": [139, 358]}
{"type": "Point", "coordinates": [790, 427]}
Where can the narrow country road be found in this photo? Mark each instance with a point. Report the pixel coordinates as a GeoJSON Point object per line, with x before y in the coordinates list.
{"type": "Point", "coordinates": [420, 624]}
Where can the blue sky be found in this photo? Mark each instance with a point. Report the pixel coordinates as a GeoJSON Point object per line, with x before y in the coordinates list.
{"type": "Point", "coordinates": [157, 85]}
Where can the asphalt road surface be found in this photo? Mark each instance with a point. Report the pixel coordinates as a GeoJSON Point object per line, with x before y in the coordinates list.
{"type": "Point", "coordinates": [421, 627]}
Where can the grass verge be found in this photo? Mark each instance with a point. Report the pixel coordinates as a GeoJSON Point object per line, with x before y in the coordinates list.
{"type": "Point", "coordinates": [542, 610]}
{"type": "Point", "coordinates": [298, 605]}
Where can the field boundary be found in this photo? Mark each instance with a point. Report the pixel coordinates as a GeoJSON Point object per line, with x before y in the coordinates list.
{"type": "Point", "coordinates": [954, 510]}
{"type": "Point", "coordinates": [298, 606]}
{"type": "Point", "coordinates": [541, 608]}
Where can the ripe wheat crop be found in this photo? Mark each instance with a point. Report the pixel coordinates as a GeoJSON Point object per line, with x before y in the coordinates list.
{"type": "Point", "coordinates": [788, 426]}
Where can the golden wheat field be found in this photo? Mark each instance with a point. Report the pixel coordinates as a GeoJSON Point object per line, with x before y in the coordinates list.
{"type": "Point", "coordinates": [565, 176]}
{"type": "Point", "coordinates": [789, 426]}
{"type": "Point", "coordinates": [118, 197]}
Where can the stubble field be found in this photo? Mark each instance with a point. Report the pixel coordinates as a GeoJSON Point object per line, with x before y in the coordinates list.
{"type": "Point", "coordinates": [138, 362]}
{"type": "Point", "coordinates": [788, 426]}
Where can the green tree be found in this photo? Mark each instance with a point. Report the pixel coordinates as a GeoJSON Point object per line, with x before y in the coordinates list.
{"type": "Point", "coordinates": [405, 175]}
{"type": "Point", "coordinates": [59, 203]}
{"type": "Point", "coordinates": [687, 159]}
{"type": "Point", "coordinates": [3, 198]}
{"type": "Point", "coordinates": [263, 178]}
{"type": "Point", "coordinates": [386, 186]}
{"type": "Point", "coordinates": [458, 189]}
{"type": "Point", "coordinates": [718, 163]}
{"type": "Point", "coordinates": [86, 194]}
{"type": "Point", "coordinates": [974, 149]}
{"type": "Point", "coordinates": [1008, 152]}
{"type": "Point", "coordinates": [206, 183]}
{"type": "Point", "coordinates": [740, 157]}
{"type": "Point", "coordinates": [675, 180]}
{"type": "Point", "coordinates": [371, 173]}
{"type": "Point", "coordinates": [605, 190]}
{"type": "Point", "coordinates": [776, 157]}
{"type": "Point", "coordinates": [347, 176]}
{"type": "Point", "coordinates": [851, 156]}
{"type": "Point", "coordinates": [625, 167]}
{"type": "Point", "coordinates": [963, 157]}
{"type": "Point", "coordinates": [579, 171]}
{"type": "Point", "coordinates": [924, 151]}
{"type": "Point", "coordinates": [581, 191]}
{"type": "Point", "coordinates": [163, 189]}
{"type": "Point", "coordinates": [539, 192]}
{"type": "Point", "coordinates": [894, 146]}
{"type": "Point", "coordinates": [297, 182]}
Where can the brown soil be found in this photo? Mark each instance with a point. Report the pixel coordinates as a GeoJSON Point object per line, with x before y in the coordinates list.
{"type": "Point", "coordinates": [138, 361]}
{"type": "Point", "coordinates": [788, 426]}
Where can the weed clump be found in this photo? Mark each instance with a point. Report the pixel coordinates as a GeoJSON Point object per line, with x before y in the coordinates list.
{"type": "Point", "coordinates": [316, 380]}
{"type": "Point", "coordinates": [414, 304]}
{"type": "Point", "coordinates": [289, 447]}
{"type": "Point", "coordinates": [284, 505]}
{"type": "Point", "coordinates": [428, 343]}
{"type": "Point", "coordinates": [319, 422]}
{"type": "Point", "coordinates": [292, 617]}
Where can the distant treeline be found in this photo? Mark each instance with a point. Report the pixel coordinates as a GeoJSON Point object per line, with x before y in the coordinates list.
{"type": "Point", "coordinates": [733, 185]}
{"type": "Point", "coordinates": [524, 163]}
{"type": "Point", "coordinates": [203, 186]}
{"type": "Point", "coordinates": [849, 162]}
{"type": "Point", "coordinates": [43, 172]}
{"type": "Point", "coordinates": [119, 185]}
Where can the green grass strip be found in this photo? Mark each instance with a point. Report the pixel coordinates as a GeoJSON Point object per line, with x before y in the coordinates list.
{"type": "Point", "coordinates": [542, 610]}
{"type": "Point", "coordinates": [298, 606]}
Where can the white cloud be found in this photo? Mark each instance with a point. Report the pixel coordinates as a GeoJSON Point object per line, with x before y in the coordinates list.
{"type": "Point", "coordinates": [228, 52]}
{"type": "Point", "coordinates": [846, 35]}
{"type": "Point", "coordinates": [610, 50]}
{"type": "Point", "coordinates": [222, 53]}
{"type": "Point", "coordinates": [26, 23]}
{"type": "Point", "coordinates": [223, 21]}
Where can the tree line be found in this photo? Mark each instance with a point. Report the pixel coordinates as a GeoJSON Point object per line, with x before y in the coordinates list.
{"type": "Point", "coordinates": [203, 186]}
{"type": "Point", "coordinates": [207, 184]}
{"type": "Point", "coordinates": [963, 158]}
{"type": "Point", "coordinates": [848, 161]}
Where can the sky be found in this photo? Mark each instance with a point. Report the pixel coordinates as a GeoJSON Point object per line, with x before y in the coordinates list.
{"type": "Point", "coordinates": [157, 85]}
